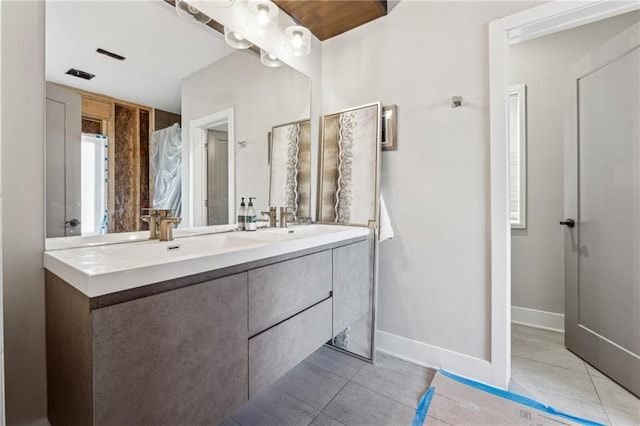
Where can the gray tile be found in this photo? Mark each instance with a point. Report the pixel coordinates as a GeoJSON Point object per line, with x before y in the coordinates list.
{"type": "Point", "coordinates": [594, 372]}
{"type": "Point", "coordinates": [399, 380]}
{"type": "Point", "coordinates": [538, 335]}
{"type": "Point", "coordinates": [311, 384]}
{"type": "Point", "coordinates": [357, 405]}
{"type": "Point", "coordinates": [336, 362]}
{"type": "Point", "coordinates": [546, 383]}
{"type": "Point", "coordinates": [272, 407]}
{"type": "Point", "coordinates": [228, 421]}
{"type": "Point", "coordinates": [324, 420]}
{"type": "Point", "coordinates": [549, 354]}
{"type": "Point", "coordinates": [623, 418]}
{"type": "Point", "coordinates": [516, 387]}
{"type": "Point", "coordinates": [615, 396]}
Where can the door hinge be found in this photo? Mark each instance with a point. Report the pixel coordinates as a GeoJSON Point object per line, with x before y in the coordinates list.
{"type": "Point", "coordinates": [206, 203]}
{"type": "Point", "coordinates": [373, 224]}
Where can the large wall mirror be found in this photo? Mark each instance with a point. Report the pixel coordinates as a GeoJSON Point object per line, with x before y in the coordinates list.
{"type": "Point", "coordinates": [157, 110]}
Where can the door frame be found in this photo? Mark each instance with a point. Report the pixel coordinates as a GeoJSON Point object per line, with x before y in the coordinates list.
{"type": "Point", "coordinates": [197, 181]}
{"type": "Point", "coordinates": [536, 22]}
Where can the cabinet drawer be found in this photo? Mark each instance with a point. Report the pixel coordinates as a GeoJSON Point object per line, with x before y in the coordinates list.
{"type": "Point", "coordinates": [277, 350]}
{"type": "Point", "coordinates": [281, 290]}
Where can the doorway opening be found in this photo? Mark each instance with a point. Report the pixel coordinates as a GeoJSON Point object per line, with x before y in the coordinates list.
{"type": "Point", "coordinates": [528, 25]}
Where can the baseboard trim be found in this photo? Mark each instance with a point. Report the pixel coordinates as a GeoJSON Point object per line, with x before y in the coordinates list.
{"type": "Point", "coordinates": [539, 319]}
{"type": "Point", "coordinates": [430, 356]}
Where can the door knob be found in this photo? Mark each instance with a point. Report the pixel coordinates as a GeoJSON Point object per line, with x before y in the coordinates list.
{"type": "Point", "coordinates": [72, 222]}
{"type": "Point", "coordinates": [570, 223]}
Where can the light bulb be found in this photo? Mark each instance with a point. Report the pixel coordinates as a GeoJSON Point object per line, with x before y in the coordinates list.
{"type": "Point", "coordinates": [192, 10]}
{"type": "Point", "coordinates": [296, 42]}
{"type": "Point", "coordinates": [272, 57]}
{"type": "Point", "coordinates": [263, 15]}
{"type": "Point", "coordinates": [235, 39]}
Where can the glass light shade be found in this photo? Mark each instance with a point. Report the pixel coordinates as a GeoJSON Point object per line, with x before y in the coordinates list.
{"type": "Point", "coordinates": [270, 60]}
{"type": "Point", "coordinates": [190, 13]}
{"type": "Point", "coordinates": [235, 39]}
{"type": "Point", "coordinates": [262, 16]}
{"type": "Point", "coordinates": [297, 40]}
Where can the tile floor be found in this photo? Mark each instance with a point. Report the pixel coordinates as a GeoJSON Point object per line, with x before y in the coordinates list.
{"type": "Point", "coordinates": [543, 369]}
{"type": "Point", "coordinates": [344, 391]}
{"type": "Point", "coordinates": [330, 388]}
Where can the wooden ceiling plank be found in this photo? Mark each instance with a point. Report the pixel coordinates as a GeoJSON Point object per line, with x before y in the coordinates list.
{"type": "Point", "coordinates": [328, 18]}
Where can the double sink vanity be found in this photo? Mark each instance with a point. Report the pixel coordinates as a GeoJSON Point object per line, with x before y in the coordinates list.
{"type": "Point", "coordinates": [185, 331]}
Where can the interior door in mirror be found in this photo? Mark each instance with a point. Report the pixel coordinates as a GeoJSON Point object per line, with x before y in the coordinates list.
{"type": "Point", "coordinates": [63, 135]}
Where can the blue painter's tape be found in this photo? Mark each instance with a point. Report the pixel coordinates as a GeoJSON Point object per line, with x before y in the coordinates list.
{"type": "Point", "coordinates": [518, 398]}
{"type": "Point", "coordinates": [423, 408]}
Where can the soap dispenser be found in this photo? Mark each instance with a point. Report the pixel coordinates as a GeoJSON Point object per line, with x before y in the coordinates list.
{"type": "Point", "coordinates": [250, 223]}
{"type": "Point", "coordinates": [242, 214]}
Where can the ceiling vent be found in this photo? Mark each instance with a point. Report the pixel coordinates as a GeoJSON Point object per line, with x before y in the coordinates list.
{"type": "Point", "coordinates": [110, 54]}
{"type": "Point", "coordinates": [80, 74]}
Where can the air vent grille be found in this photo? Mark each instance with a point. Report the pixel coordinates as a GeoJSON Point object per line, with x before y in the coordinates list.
{"type": "Point", "coordinates": [80, 74]}
{"type": "Point", "coordinates": [111, 54]}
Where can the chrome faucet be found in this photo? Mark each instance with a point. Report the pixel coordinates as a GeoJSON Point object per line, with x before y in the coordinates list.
{"type": "Point", "coordinates": [166, 227]}
{"type": "Point", "coordinates": [153, 218]}
{"type": "Point", "coordinates": [284, 216]}
{"type": "Point", "coordinates": [272, 216]}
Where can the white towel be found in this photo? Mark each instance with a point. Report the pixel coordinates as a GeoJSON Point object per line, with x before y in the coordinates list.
{"type": "Point", "coordinates": [386, 230]}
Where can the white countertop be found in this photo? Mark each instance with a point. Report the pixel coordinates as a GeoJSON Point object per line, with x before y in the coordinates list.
{"type": "Point", "coordinates": [104, 269]}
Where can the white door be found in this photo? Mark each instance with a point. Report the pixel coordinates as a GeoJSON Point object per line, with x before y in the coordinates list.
{"type": "Point", "coordinates": [63, 144]}
{"type": "Point", "coordinates": [602, 201]}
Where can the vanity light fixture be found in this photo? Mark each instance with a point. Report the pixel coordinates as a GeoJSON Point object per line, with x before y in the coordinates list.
{"type": "Point", "coordinates": [190, 13]}
{"type": "Point", "coordinates": [297, 40]}
{"type": "Point", "coordinates": [235, 39]}
{"type": "Point", "coordinates": [270, 59]}
{"type": "Point", "coordinates": [262, 16]}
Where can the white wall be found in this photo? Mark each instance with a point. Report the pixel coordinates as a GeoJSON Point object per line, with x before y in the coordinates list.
{"type": "Point", "coordinates": [537, 253]}
{"type": "Point", "coordinates": [23, 209]}
{"type": "Point", "coordinates": [261, 97]}
{"type": "Point", "coordinates": [434, 290]}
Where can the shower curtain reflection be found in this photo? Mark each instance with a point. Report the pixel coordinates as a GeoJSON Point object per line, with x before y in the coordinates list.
{"type": "Point", "coordinates": [165, 162]}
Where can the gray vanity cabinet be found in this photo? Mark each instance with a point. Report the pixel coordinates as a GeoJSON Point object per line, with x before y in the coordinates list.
{"type": "Point", "coordinates": [352, 284]}
{"type": "Point", "coordinates": [193, 349]}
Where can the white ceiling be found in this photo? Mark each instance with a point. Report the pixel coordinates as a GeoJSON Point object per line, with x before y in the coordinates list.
{"type": "Point", "coordinates": [161, 49]}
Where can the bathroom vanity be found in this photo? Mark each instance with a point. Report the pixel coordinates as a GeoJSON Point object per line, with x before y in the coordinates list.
{"type": "Point", "coordinates": [184, 332]}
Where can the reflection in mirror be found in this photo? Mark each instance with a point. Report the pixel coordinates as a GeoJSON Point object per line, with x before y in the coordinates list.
{"type": "Point", "coordinates": [290, 182]}
{"type": "Point", "coordinates": [260, 98]}
{"type": "Point", "coordinates": [157, 85]}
